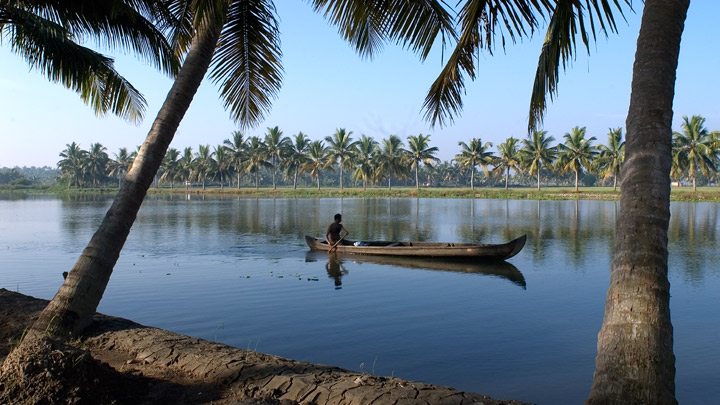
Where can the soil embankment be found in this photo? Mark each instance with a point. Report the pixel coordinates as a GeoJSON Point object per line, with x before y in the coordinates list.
{"type": "Point", "coordinates": [122, 362]}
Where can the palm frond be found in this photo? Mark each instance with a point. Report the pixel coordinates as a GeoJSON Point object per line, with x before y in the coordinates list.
{"type": "Point", "coordinates": [358, 23]}
{"type": "Point", "coordinates": [47, 47]}
{"type": "Point", "coordinates": [481, 21]}
{"type": "Point", "coordinates": [559, 47]}
{"type": "Point", "coordinates": [247, 60]}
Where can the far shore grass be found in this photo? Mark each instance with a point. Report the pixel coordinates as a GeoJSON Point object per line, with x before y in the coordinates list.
{"type": "Point", "coordinates": [703, 194]}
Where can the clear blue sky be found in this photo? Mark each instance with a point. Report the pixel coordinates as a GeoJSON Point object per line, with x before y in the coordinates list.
{"type": "Point", "coordinates": [327, 86]}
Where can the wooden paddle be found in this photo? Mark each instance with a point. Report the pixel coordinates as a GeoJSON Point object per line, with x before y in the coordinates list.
{"type": "Point", "coordinates": [336, 243]}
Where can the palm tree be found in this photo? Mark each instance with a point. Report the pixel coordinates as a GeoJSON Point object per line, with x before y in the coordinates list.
{"type": "Point", "coordinates": [223, 164]}
{"type": "Point", "coordinates": [610, 158]}
{"type": "Point", "coordinates": [694, 147]}
{"type": "Point", "coordinates": [276, 146]}
{"type": "Point", "coordinates": [509, 159]}
{"type": "Point", "coordinates": [241, 40]}
{"type": "Point", "coordinates": [420, 152]}
{"type": "Point", "coordinates": [537, 151]}
{"type": "Point", "coordinates": [473, 155]}
{"type": "Point", "coordinates": [47, 35]}
{"type": "Point", "coordinates": [72, 164]}
{"type": "Point", "coordinates": [257, 158]}
{"type": "Point", "coordinates": [340, 147]}
{"type": "Point", "coordinates": [119, 166]}
{"type": "Point", "coordinates": [318, 160]}
{"type": "Point", "coordinates": [391, 159]}
{"type": "Point", "coordinates": [366, 148]}
{"type": "Point", "coordinates": [576, 153]}
{"type": "Point", "coordinates": [171, 166]}
{"type": "Point", "coordinates": [296, 156]}
{"type": "Point", "coordinates": [186, 166]}
{"type": "Point", "coordinates": [203, 164]}
{"type": "Point", "coordinates": [237, 146]}
{"type": "Point", "coordinates": [96, 162]}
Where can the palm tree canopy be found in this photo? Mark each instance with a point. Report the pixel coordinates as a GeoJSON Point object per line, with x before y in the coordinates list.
{"type": "Point", "coordinates": [694, 146]}
{"type": "Point", "coordinates": [576, 152]}
{"type": "Point", "coordinates": [481, 21]}
{"type": "Point", "coordinates": [47, 35]}
{"type": "Point", "coordinates": [420, 150]}
{"type": "Point", "coordinates": [475, 154]}
{"type": "Point", "coordinates": [536, 151]}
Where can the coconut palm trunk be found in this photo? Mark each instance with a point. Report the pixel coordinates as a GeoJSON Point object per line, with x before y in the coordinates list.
{"type": "Point", "coordinates": [72, 308]}
{"type": "Point", "coordinates": [635, 361]}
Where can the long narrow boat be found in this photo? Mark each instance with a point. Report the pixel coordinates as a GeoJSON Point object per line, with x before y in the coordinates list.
{"type": "Point", "coordinates": [424, 249]}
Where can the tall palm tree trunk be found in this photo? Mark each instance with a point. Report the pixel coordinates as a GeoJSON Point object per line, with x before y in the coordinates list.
{"type": "Point", "coordinates": [538, 179]}
{"type": "Point", "coordinates": [72, 308]}
{"type": "Point", "coordinates": [341, 174]}
{"type": "Point", "coordinates": [577, 177]}
{"type": "Point", "coordinates": [507, 177]}
{"type": "Point", "coordinates": [635, 361]}
{"type": "Point", "coordinates": [417, 178]}
{"type": "Point", "coordinates": [472, 178]}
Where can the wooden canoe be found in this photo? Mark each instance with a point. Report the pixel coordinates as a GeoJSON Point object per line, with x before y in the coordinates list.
{"type": "Point", "coordinates": [425, 249]}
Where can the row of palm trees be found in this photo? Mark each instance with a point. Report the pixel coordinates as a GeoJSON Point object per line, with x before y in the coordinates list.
{"type": "Point", "coordinates": [371, 162]}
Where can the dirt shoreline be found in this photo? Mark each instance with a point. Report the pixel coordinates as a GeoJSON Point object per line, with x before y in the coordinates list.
{"type": "Point", "coordinates": [128, 363]}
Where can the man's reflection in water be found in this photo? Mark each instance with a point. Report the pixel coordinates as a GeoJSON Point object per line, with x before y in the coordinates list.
{"type": "Point", "coordinates": [335, 270]}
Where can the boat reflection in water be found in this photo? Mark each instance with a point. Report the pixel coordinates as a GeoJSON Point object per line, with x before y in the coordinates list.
{"type": "Point", "coordinates": [335, 268]}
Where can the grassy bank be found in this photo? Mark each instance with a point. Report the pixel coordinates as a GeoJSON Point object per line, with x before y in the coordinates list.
{"type": "Point", "coordinates": [703, 194]}
{"type": "Point", "coordinates": [711, 194]}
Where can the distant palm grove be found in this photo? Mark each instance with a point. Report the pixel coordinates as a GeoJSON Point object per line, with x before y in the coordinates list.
{"type": "Point", "coordinates": [340, 160]}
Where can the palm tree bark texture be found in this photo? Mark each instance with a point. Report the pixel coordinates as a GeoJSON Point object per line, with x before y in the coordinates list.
{"type": "Point", "coordinates": [80, 295]}
{"type": "Point", "coordinates": [635, 362]}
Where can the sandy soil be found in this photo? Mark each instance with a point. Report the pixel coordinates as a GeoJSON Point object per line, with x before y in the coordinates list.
{"type": "Point", "coordinates": [121, 362]}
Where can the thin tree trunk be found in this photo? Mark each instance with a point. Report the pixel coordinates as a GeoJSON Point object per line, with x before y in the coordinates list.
{"type": "Point", "coordinates": [72, 308]}
{"type": "Point", "coordinates": [341, 174]}
{"type": "Point", "coordinates": [538, 179]}
{"type": "Point", "coordinates": [577, 176]}
{"type": "Point", "coordinates": [472, 178]}
{"type": "Point", "coordinates": [635, 362]}
{"type": "Point", "coordinates": [417, 179]}
{"type": "Point", "coordinates": [507, 177]}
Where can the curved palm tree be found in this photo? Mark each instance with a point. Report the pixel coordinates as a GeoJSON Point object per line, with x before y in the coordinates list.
{"type": "Point", "coordinates": [340, 145]}
{"type": "Point", "coordinates": [240, 38]}
{"type": "Point", "coordinates": [576, 153]}
{"type": "Point", "coordinates": [537, 151]}
{"type": "Point", "coordinates": [171, 167]}
{"type": "Point", "coordinates": [508, 159]}
{"type": "Point", "coordinates": [296, 156]}
{"type": "Point", "coordinates": [276, 147]}
{"type": "Point", "coordinates": [475, 154]}
{"type": "Point", "coordinates": [420, 152]}
{"type": "Point", "coordinates": [119, 166]}
{"type": "Point", "coordinates": [72, 164]}
{"type": "Point", "coordinates": [611, 156]}
{"type": "Point", "coordinates": [47, 34]}
{"type": "Point", "coordinates": [318, 160]}
{"type": "Point", "coordinates": [256, 158]}
{"type": "Point", "coordinates": [237, 146]}
{"type": "Point", "coordinates": [366, 148]}
{"type": "Point", "coordinates": [391, 159]}
{"type": "Point", "coordinates": [694, 147]}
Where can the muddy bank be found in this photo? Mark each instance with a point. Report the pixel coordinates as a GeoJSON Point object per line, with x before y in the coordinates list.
{"type": "Point", "coordinates": [126, 362]}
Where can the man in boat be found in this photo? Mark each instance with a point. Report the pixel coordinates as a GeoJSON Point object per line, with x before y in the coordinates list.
{"type": "Point", "coordinates": [335, 230]}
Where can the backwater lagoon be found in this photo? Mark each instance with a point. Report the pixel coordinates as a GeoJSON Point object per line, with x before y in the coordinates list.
{"type": "Point", "coordinates": [238, 271]}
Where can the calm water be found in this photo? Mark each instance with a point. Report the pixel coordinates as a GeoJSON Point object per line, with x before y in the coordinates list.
{"type": "Point", "coordinates": [239, 272]}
